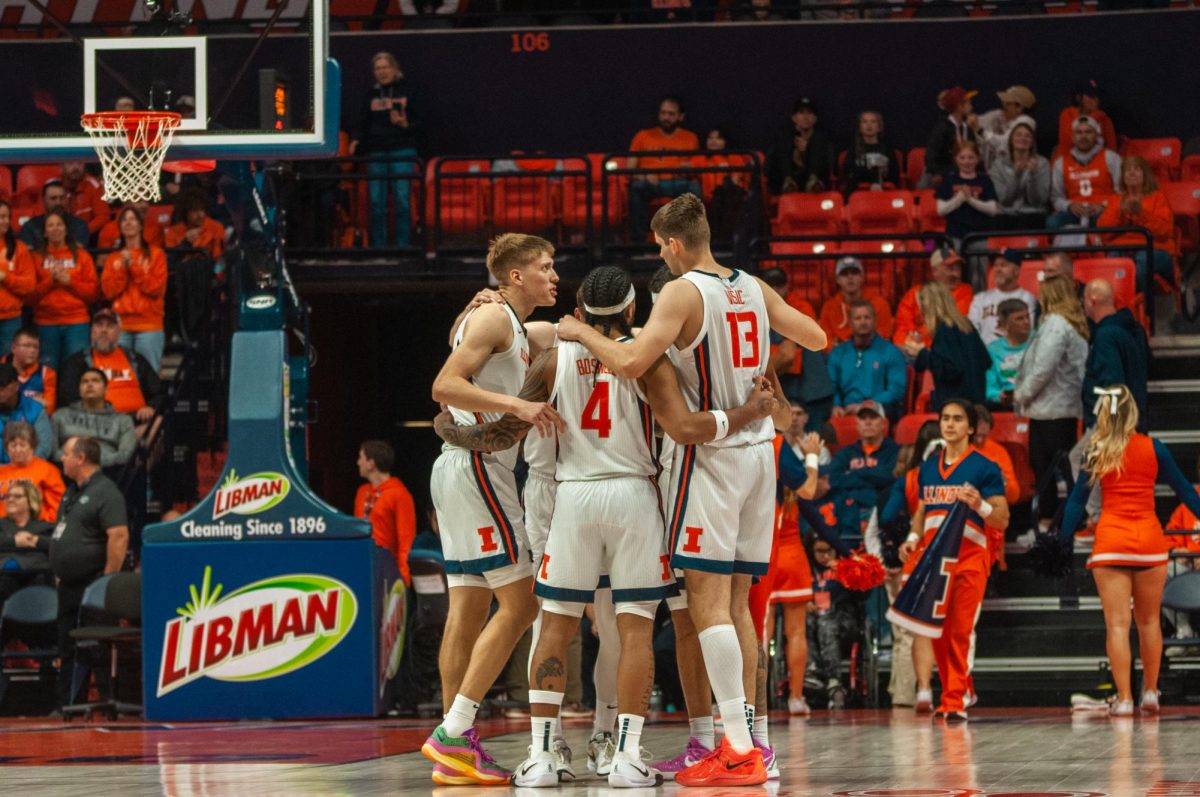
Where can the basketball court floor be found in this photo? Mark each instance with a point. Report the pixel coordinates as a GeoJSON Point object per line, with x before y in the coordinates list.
{"type": "Point", "coordinates": [1000, 753]}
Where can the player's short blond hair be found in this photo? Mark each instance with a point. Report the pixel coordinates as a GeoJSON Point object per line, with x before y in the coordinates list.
{"type": "Point", "coordinates": [684, 219]}
{"type": "Point", "coordinates": [515, 250]}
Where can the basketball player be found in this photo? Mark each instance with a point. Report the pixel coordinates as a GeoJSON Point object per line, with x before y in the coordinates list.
{"type": "Point", "coordinates": [483, 537]}
{"type": "Point", "coordinates": [714, 322]}
{"type": "Point", "coordinates": [604, 514]}
{"type": "Point", "coordinates": [1129, 557]}
{"type": "Point", "coordinates": [959, 473]}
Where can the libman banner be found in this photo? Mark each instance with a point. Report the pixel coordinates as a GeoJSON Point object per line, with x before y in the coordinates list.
{"type": "Point", "coordinates": [263, 630]}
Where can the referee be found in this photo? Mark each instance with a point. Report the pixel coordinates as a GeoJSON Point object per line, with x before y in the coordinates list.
{"type": "Point", "coordinates": [90, 540]}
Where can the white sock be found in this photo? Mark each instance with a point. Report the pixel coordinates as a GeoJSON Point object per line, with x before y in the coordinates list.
{"type": "Point", "coordinates": [723, 661]}
{"type": "Point", "coordinates": [702, 729]}
{"type": "Point", "coordinates": [759, 731]}
{"type": "Point", "coordinates": [606, 717]}
{"type": "Point", "coordinates": [629, 743]}
{"type": "Point", "coordinates": [543, 732]}
{"type": "Point", "coordinates": [460, 716]}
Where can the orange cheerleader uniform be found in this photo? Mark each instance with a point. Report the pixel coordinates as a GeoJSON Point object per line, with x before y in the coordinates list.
{"type": "Point", "coordinates": [791, 575]}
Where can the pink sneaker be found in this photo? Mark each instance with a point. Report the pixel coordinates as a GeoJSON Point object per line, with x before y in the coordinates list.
{"type": "Point", "coordinates": [769, 762]}
{"type": "Point", "coordinates": [444, 776]}
{"type": "Point", "coordinates": [464, 755]}
{"type": "Point", "coordinates": [692, 754]}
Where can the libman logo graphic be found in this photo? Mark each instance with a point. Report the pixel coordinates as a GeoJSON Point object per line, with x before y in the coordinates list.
{"type": "Point", "coordinates": [391, 633]}
{"type": "Point", "coordinates": [263, 630]}
{"type": "Point", "coordinates": [249, 495]}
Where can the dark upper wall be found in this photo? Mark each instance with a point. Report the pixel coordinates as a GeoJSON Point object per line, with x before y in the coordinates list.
{"type": "Point", "coordinates": [592, 88]}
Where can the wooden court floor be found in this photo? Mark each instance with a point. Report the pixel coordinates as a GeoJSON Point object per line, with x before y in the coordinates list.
{"type": "Point", "coordinates": [1000, 753]}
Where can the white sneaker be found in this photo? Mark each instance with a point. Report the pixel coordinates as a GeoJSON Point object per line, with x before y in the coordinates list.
{"type": "Point", "coordinates": [924, 702]}
{"type": "Point", "coordinates": [538, 771]}
{"type": "Point", "coordinates": [1026, 540]}
{"type": "Point", "coordinates": [601, 749]}
{"type": "Point", "coordinates": [1121, 708]}
{"type": "Point", "coordinates": [798, 707]}
{"type": "Point", "coordinates": [1082, 702]}
{"type": "Point", "coordinates": [627, 773]}
{"type": "Point", "coordinates": [1150, 701]}
{"type": "Point", "coordinates": [562, 760]}
{"type": "Point", "coordinates": [970, 699]}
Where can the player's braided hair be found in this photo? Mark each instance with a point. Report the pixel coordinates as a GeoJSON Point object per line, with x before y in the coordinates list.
{"type": "Point", "coordinates": [605, 286]}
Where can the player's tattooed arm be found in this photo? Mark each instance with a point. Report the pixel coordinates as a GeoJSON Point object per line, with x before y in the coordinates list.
{"type": "Point", "coordinates": [506, 432]}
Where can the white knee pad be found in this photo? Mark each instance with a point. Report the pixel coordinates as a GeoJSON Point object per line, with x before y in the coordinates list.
{"type": "Point", "coordinates": [568, 608]}
{"type": "Point", "coordinates": [640, 608]}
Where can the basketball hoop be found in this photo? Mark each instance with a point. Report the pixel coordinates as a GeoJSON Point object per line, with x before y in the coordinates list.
{"type": "Point", "coordinates": [132, 146]}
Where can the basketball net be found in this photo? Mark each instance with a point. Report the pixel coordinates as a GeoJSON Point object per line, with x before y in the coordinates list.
{"type": "Point", "coordinates": [131, 146]}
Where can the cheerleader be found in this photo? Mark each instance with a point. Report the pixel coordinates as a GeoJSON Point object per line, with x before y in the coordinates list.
{"type": "Point", "coordinates": [1129, 558]}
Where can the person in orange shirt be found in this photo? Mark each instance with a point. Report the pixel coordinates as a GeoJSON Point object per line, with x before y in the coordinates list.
{"type": "Point", "coordinates": [996, 453]}
{"type": "Point", "coordinates": [17, 277]}
{"type": "Point", "coordinates": [20, 442]}
{"type": "Point", "coordinates": [197, 230]}
{"type": "Point", "coordinates": [110, 234]}
{"type": "Point", "coordinates": [38, 381]}
{"type": "Point", "coordinates": [85, 198]}
{"type": "Point", "coordinates": [66, 285]}
{"type": "Point", "coordinates": [945, 266]}
{"type": "Point", "coordinates": [835, 313]}
{"type": "Point", "coordinates": [667, 136]}
{"type": "Point", "coordinates": [1082, 177]}
{"type": "Point", "coordinates": [386, 503]}
{"type": "Point", "coordinates": [1085, 101]}
{"type": "Point", "coordinates": [1139, 203]}
{"type": "Point", "coordinates": [135, 280]}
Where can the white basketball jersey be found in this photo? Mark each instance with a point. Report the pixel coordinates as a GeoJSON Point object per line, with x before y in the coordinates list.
{"type": "Point", "coordinates": [610, 431]}
{"type": "Point", "coordinates": [717, 370]}
{"type": "Point", "coordinates": [504, 372]}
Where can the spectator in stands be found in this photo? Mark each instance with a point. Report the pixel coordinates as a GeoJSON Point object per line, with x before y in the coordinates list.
{"type": "Point", "coordinates": [20, 443]}
{"type": "Point", "coordinates": [996, 453]}
{"type": "Point", "coordinates": [1022, 180]}
{"type": "Point", "coordinates": [85, 196]}
{"type": "Point", "coordinates": [802, 158]}
{"type": "Point", "coordinates": [1058, 264]}
{"type": "Point", "coordinates": [54, 198]}
{"type": "Point", "coordinates": [1119, 354]}
{"type": "Point", "coordinates": [90, 540]}
{"type": "Point", "coordinates": [1015, 323]}
{"type": "Point", "coordinates": [985, 307]}
{"type": "Point", "coordinates": [966, 196]}
{"type": "Point", "coordinates": [1085, 101]}
{"type": "Point", "coordinates": [861, 474]}
{"type": "Point", "coordinates": [1139, 203]}
{"type": "Point", "coordinates": [15, 407]}
{"type": "Point", "coordinates": [386, 503]}
{"type": "Point", "coordinates": [664, 183]}
{"type": "Point", "coordinates": [1048, 384]}
{"type": "Point", "coordinates": [387, 128]}
{"type": "Point", "coordinates": [17, 277]}
{"type": "Point", "coordinates": [724, 193]}
{"type": "Point", "coordinates": [66, 285]}
{"type": "Point", "coordinates": [110, 235]}
{"type": "Point", "coordinates": [38, 381]}
{"type": "Point", "coordinates": [24, 540]}
{"type": "Point", "coordinates": [993, 128]}
{"type": "Point", "coordinates": [835, 313]}
{"type": "Point", "coordinates": [132, 384]}
{"type": "Point", "coordinates": [870, 163]}
{"type": "Point", "coordinates": [135, 281]}
{"type": "Point", "coordinates": [760, 11]}
{"type": "Point", "coordinates": [945, 266]}
{"type": "Point", "coordinates": [95, 417]}
{"type": "Point", "coordinates": [867, 367]}
{"type": "Point", "coordinates": [956, 357]}
{"type": "Point", "coordinates": [1082, 177]}
{"type": "Point", "coordinates": [803, 374]}
{"type": "Point", "coordinates": [125, 104]}
{"type": "Point", "coordinates": [955, 127]}
{"type": "Point", "coordinates": [197, 230]}
{"type": "Point", "coordinates": [831, 620]}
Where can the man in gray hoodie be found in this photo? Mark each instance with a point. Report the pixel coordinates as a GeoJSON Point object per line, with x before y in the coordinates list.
{"type": "Point", "coordinates": [92, 416]}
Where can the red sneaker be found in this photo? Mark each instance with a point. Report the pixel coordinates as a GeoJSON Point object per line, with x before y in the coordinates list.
{"type": "Point", "coordinates": [725, 767]}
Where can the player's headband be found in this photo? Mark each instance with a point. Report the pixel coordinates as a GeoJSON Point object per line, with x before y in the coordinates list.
{"type": "Point", "coordinates": [611, 309]}
{"type": "Point", "coordinates": [1102, 393]}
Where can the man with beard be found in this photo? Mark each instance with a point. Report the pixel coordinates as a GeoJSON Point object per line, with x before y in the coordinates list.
{"type": "Point", "coordinates": [667, 136]}
{"type": "Point", "coordinates": [133, 385]}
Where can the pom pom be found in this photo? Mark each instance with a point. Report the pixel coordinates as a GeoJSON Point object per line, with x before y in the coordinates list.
{"type": "Point", "coordinates": [1048, 557]}
{"type": "Point", "coordinates": [860, 572]}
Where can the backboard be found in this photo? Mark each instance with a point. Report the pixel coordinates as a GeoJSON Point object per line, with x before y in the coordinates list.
{"type": "Point", "coordinates": [252, 78]}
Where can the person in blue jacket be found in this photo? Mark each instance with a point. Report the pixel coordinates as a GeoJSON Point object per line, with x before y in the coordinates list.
{"type": "Point", "coordinates": [866, 367]}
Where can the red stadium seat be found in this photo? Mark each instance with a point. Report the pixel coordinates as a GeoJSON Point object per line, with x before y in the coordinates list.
{"type": "Point", "coordinates": [521, 203]}
{"type": "Point", "coordinates": [811, 278]}
{"type": "Point", "coordinates": [22, 214]}
{"type": "Point", "coordinates": [1012, 431]}
{"type": "Point", "coordinates": [998, 243]}
{"type": "Point", "coordinates": [1119, 271]}
{"type": "Point", "coordinates": [809, 214]}
{"type": "Point", "coordinates": [1162, 154]}
{"type": "Point", "coordinates": [30, 180]}
{"type": "Point", "coordinates": [1184, 201]}
{"type": "Point", "coordinates": [6, 184]}
{"type": "Point", "coordinates": [880, 212]}
{"type": "Point", "coordinates": [881, 273]}
{"type": "Point", "coordinates": [925, 215]}
{"type": "Point", "coordinates": [846, 428]}
{"type": "Point", "coordinates": [924, 393]}
{"type": "Point", "coordinates": [1031, 276]}
{"type": "Point", "coordinates": [914, 166]}
{"type": "Point", "coordinates": [1189, 169]}
{"type": "Point", "coordinates": [459, 203]}
{"type": "Point", "coordinates": [161, 214]}
{"type": "Point", "coordinates": [909, 425]}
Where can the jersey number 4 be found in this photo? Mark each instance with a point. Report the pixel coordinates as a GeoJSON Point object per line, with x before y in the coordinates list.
{"type": "Point", "coordinates": [743, 339]}
{"type": "Point", "coordinates": [595, 412]}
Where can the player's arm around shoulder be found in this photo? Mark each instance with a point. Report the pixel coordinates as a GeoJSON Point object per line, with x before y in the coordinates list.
{"type": "Point", "coordinates": [485, 333]}
{"type": "Point", "coordinates": [790, 322]}
{"type": "Point", "coordinates": [661, 386]}
{"type": "Point", "coordinates": [632, 360]}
